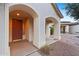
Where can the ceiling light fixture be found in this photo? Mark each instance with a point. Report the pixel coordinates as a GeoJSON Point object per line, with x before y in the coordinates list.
{"type": "Point", "coordinates": [17, 14]}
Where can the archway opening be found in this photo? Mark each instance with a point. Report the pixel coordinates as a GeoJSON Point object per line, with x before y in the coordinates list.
{"type": "Point", "coordinates": [63, 30]}
{"type": "Point", "coordinates": [50, 29]}
{"type": "Point", "coordinates": [21, 29]}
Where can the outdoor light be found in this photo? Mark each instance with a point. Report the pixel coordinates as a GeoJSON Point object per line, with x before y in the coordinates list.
{"type": "Point", "coordinates": [17, 14]}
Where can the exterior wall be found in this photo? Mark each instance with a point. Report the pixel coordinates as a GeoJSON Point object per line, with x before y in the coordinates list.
{"type": "Point", "coordinates": [39, 25]}
{"type": "Point", "coordinates": [74, 29]}
{"type": "Point", "coordinates": [28, 29]}
{"type": "Point", "coordinates": [57, 31]}
{"type": "Point", "coordinates": [67, 29]}
{"type": "Point", "coordinates": [10, 30]}
{"type": "Point", "coordinates": [43, 14]}
{"type": "Point", "coordinates": [4, 31]}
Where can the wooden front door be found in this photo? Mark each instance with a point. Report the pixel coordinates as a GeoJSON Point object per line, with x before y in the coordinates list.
{"type": "Point", "coordinates": [16, 29]}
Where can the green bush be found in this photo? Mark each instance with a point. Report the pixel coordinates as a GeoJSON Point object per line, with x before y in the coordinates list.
{"type": "Point", "coordinates": [52, 30]}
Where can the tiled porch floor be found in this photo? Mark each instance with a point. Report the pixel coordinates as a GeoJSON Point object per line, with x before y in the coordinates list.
{"type": "Point", "coordinates": [21, 48]}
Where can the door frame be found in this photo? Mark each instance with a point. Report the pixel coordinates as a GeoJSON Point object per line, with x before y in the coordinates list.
{"type": "Point", "coordinates": [14, 40]}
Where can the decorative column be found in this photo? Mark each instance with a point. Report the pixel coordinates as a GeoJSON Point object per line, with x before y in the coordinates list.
{"type": "Point", "coordinates": [57, 30]}
{"type": "Point", "coordinates": [39, 33]}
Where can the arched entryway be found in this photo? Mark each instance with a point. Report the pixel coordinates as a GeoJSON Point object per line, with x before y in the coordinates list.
{"type": "Point", "coordinates": [51, 29]}
{"type": "Point", "coordinates": [64, 28]}
{"type": "Point", "coordinates": [21, 28]}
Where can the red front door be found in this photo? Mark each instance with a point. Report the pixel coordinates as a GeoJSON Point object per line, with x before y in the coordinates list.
{"type": "Point", "coordinates": [16, 29]}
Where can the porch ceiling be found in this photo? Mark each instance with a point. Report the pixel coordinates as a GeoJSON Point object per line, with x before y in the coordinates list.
{"type": "Point", "coordinates": [21, 13]}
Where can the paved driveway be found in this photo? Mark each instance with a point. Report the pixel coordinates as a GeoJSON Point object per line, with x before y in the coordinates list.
{"type": "Point", "coordinates": [67, 46]}
{"type": "Point", "coordinates": [71, 39]}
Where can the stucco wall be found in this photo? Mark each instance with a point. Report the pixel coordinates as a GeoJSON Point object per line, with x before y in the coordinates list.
{"type": "Point", "coordinates": [27, 29]}
{"type": "Point", "coordinates": [67, 29]}
{"type": "Point", "coordinates": [74, 29]}
{"type": "Point", "coordinates": [43, 14]}
{"type": "Point", "coordinates": [4, 46]}
{"type": "Point", "coordinates": [10, 30]}
{"type": "Point", "coordinates": [2, 29]}
{"type": "Point", "coordinates": [43, 11]}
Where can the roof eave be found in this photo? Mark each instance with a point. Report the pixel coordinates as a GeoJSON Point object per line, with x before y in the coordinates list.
{"type": "Point", "coordinates": [57, 10]}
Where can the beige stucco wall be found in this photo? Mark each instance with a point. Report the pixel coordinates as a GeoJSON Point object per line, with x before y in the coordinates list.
{"type": "Point", "coordinates": [67, 28]}
{"type": "Point", "coordinates": [4, 31]}
{"type": "Point", "coordinates": [74, 29]}
{"type": "Point", "coordinates": [40, 21]}
{"type": "Point", "coordinates": [27, 29]}
{"type": "Point", "coordinates": [10, 29]}
{"type": "Point", "coordinates": [43, 11]}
